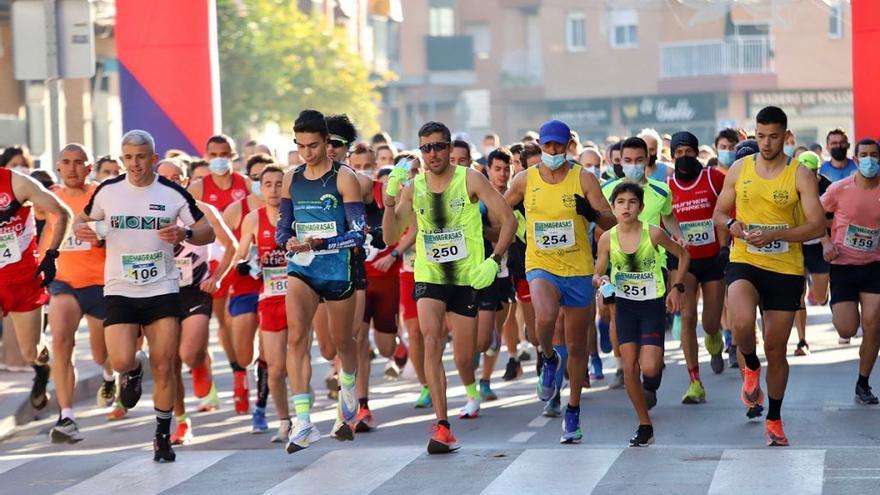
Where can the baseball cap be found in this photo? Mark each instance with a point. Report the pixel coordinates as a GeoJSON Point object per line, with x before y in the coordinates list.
{"type": "Point", "coordinates": [555, 131]}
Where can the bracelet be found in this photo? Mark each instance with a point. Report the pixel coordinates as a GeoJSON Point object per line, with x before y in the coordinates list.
{"type": "Point", "coordinates": [730, 222]}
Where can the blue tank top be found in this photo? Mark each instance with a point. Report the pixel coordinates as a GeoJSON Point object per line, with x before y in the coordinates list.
{"type": "Point", "coordinates": [319, 212]}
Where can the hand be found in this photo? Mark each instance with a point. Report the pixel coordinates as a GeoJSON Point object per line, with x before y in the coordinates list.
{"type": "Point", "coordinates": [384, 263]}
{"type": "Point", "coordinates": [47, 267]}
{"type": "Point", "coordinates": [584, 208]}
{"type": "Point", "coordinates": [829, 251]}
{"type": "Point", "coordinates": [673, 300]}
{"type": "Point", "coordinates": [484, 274]}
{"type": "Point", "coordinates": [243, 268]}
{"type": "Point", "coordinates": [681, 242]}
{"type": "Point", "coordinates": [597, 280]}
{"type": "Point", "coordinates": [294, 246]}
{"type": "Point", "coordinates": [736, 230]}
{"type": "Point", "coordinates": [724, 257]}
{"type": "Point", "coordinates": [392, 187]}
{"type": "Point", "coordinates": [316, 243]}
{"type": "Point", "coordinates": [172, 234]}
{"type": "Point", "coordinates": [209, 285]}
{"type": "Point", "coordinates": [760, 238]}
{"type": "Point", "coordinates": [84, 234]}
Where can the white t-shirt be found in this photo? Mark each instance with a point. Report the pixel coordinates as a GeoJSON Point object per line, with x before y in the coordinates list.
{"type": "Point", "coordinates": [138, 263]}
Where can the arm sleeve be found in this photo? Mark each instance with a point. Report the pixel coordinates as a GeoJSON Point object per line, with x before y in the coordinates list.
{"type": "Point", "coordinates": [284, 228]}
{"type": "Point", "coordinates": [355, 236]}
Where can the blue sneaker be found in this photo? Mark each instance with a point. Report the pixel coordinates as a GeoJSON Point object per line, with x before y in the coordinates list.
{"type": "Point", "coordinates": [553, 407]}
{"type": "Point", "coordinates": [728, 340]}
{"type": "Point", "coordinates": [547, 386]}
{"type": "Point", "coordinates": [604, 335]}
{"type": "Point", "coordinates": [571, 427]}
{"type": "Point", "coordinates": [596, 363]}
{"type": "Point", "coordinates": [258, 419]}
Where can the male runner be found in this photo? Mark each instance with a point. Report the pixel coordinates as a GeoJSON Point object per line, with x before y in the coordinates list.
{"type": "Point", "coordinates": [561, 199]}
{"type": "Point", "coordinates": [450, 264]}
{"type": "Point", "coordinates": [769, 190]}
{"type": "Point", "coordinates": [139, 212]}
{"type": "Point", "coordinates": [106, 168]}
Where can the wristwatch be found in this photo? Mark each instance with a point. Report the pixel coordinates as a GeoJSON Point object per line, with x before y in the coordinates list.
{"type": "Point", "coordinates": [187, 233]}
{"type": "Point", "coordinates": [52, 253]}
{"type": "Point", "coordinates": [679, 286]}
{"type": "Point", "coordinates": [497, 258]}
{"type": "Point", "coordinates": [730, 222]}
{"type": "Point", "coordinates": [395, 253]}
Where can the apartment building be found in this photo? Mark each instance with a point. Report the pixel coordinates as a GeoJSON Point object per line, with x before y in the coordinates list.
{"type": "Point", "coordinates": [613, 67]}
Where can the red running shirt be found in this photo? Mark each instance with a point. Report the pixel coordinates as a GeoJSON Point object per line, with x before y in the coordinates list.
{"type": "Point", "coordinates": [18, 235]}
{"type": "Point", "coordinates": [693, 205]}
{"type": "Point", "coordinates": [222, 198]}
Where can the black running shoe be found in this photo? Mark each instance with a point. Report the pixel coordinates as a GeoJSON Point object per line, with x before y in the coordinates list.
{"type": "Point", "coordinates": [130, 387]}
{"type": "Point", "coordinates": [644, 436]}
{"type": "Point", "coordinates": [650, 398]}
{"type": "Point", "coordinates": [864, 395]}
{"type": "Point", "coordinates": [39, 396]}
{"type": "Point", "coordinates": [513, 370]}
{"type": "Point", "coordinates": [755, 412]}
{"type": "Point", "coordinates": [162, 451]}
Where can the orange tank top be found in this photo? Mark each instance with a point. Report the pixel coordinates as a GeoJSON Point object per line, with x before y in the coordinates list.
{"type": "Point", "coordinates": [79, 264]}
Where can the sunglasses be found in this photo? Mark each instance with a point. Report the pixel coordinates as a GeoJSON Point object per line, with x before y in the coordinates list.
{"type": "Point", "coordinates": [438, 146]}
{"type": "Point", "coordinates": [338, 143]}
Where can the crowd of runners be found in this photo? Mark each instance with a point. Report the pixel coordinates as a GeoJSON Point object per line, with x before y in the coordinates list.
{"type": "Point", "coordinates": [550, 249]}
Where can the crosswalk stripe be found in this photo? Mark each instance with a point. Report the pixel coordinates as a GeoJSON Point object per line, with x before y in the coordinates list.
{"type": "Point", "coordinates": [769, 471]}
{"type": "Point", "coordinates": [340, 474]}
{"type": "Point", "coordinates": [554, 471]}
{"type": "Point", "coordinates": [141, 475]}
{"type": "Point", "coordinates": [7, 465]}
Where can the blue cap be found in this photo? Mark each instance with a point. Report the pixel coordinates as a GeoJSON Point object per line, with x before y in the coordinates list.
{"type": "Point", "coordinates": [555, 131]}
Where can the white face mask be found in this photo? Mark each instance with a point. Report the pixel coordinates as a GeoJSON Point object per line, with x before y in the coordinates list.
{"type": "Point", "coordinates": [22, 170]}
{"type": "Point", "coordinates": [303, 258]}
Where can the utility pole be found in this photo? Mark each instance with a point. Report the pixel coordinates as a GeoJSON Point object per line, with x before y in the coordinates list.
{"type": "Point", "coordinates": [53, 80]}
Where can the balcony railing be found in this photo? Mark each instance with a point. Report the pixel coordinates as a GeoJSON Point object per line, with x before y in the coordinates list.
{"type": "Point", "coordinates": [741, 55]}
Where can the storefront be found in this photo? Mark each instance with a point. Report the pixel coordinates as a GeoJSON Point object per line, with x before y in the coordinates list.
{"type": "Point", "coordinates": [668, 114]}
{"type": "Point", "coordinates": [811, 113]}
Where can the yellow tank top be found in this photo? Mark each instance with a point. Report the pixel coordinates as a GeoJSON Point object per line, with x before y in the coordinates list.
{"type": "Point", "coordinates": [557, 237]}
{"type": "Point", "coordinates": [768, 204]}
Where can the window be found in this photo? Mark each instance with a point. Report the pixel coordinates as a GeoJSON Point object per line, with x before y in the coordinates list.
{"type": "Point", "coordinates": [623, 29]}
{"type": "Point", "coordinates": [482, 39]}
{"type": "Point", "coordinates": [441, 18]}
{"type": "Point", "coordinates": [835, 21]}
{"type": "Point", "coordinates": [576, 32]}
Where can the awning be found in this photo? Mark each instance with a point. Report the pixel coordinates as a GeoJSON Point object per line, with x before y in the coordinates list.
{"type": "Point", "coordinates": [392, 9]}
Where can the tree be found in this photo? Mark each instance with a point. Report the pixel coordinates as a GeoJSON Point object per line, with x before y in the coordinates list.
{"type": "Point", "coordinates": [276, 61]}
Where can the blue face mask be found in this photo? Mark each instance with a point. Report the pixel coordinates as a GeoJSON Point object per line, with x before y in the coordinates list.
{"type": "Point", "coordinates": [255, 188]}
{"type": "Point", "coordinates": [726, 157]}
{"type": "Point", "coordinates": [635, 173]}
{"type": "Point", "coordinates": [788, 150]}
{"type": "Point", "coordinates": [868, 167]}
{"type": "Point", "coordinates": [220, 166]}
{"type": "Point", "coordinates": [552, 161]}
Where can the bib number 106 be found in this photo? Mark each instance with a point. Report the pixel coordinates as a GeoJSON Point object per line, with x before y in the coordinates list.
{"type": "Point", "coordinates": [146, 273]}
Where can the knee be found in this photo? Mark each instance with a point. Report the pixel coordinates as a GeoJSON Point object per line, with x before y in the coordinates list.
{"type": "Point", "coordinates": [277, 373]}
{"type": "Point", "coordinates": [774, 350]}
{"type": "Point", "coordinates": [688, 315]}
{"type": "Point", "coordinates": [62, 345]}
{"type": "Point", "coordinates": [192, 357]}
{"type": "Point", "coordinates": [545, 321]}
{"type": "Point", "coordinates": [651, 369]}
{"type": "Point", "coordinates": [414, 334]}
{"type": "Point", "coordinates": [122, 364]}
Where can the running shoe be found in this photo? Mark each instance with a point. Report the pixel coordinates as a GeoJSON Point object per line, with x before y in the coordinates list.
{"type": "Point", "coordinates": [695, 394]}
{"type": "Point", "coordinates": [283, 432]}
{"type": "Point", "coordinates": [843, 340]}
{"type": "Point", "coordinates": [716, 362]}
{"type": "Point", "coordinates": [513, 370]}
{"type": "Point", "coordinates": [775, 436]}
{"type": "Point", "coordinates": [553, 407]}
{"type": "Point", "coordinates": [424, 400]}
{"type": "Point", "coordinates": [130, 387]}
{"type": "Point", "coordinates": [604, 335]}
{"type": "Point", "coordinates": [471, 409]}
{"type": "Point", "coordinates": [348, 403]}
{"type": "Point", "coordinates": [401, 355]}
{"type": "Point", "coordinates": [731, 359]}
{"type": "Point", "coordinates": [65, 431]}
{"type": "Point", "coordinates": [524, 356]}
{"type": "Point", "coordinates": [714, 343]}
{"type": "Point", "coordinates": [571, 427]}
{"type": "Point", "coordinates": [106, 393]}
{"type": "Point", "coordinates": [258, 421]}
{"type": "Point", "coordinates": [728, 340]}
{"type": "Point", "coordinates": [644, 436]}
{"type": "Point", "coordinates": [443, 441]}
{"type": "Point", "coordinates": [162, 451]}
{"type": "Point", "coordinates": [210, 402]}
{"type": "Point", "coordinates": [183, 434]}
{"type": "Point", "coordinates": [539, 362]}
{"type": "Point", "coordinates": [39, 395]}
{"type": "Point", "coordinates": [864, 396]}
{"type": "Point", "coordinates": [617, 380]}
{"type": "Point", "coordinates": [341, 431]}
{"type": "Point", "coordinates": [118, 412]}
{"type": "Point", "coordinates": [596, 365]}
{"type": "Point", "coordinates": [364, 421]}
{"type": "Point", "coordinates": [392, 372]}
{"type": "Point", "coordinates": [751, 393]}
{"type": "Point", "coordinates": [240, 392]}
{"type": "Point", "coordinates": [547, 386]}
{"type": "Point", "coordinates": [486, 392]}
{"type": "Point", "coordinates": [301, 436]}
{"type": "Point", "coordinates": [332, 382]}
{"type": "Point", "coordinates": [755, 412]}
{"type": "Point", "coordinates": [201, 383]}
{"type": "Point", "coordinates": [802, 349]}
{"type": "Point", "coordinates": [650, 398]}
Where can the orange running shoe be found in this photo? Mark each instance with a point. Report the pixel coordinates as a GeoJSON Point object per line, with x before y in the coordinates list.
{"type": "Point", "coordinates": [775, 436]}
{"type": "Point", "coordinates": [118, 412]}
{"type": "Point", "coordinates": [443, 441]}
{"type": "Point", "coordinates": [401, 354]}
{"type": "Point", "coordinates": [201, 382]}
{"type": "Point", "coordinates": [183, 434]}
{"type": "Point", "coordinates": [751, 393]}
{"type": "Point", "coordinates": [364, 421]}
{"type": "Point", "coordinates": [240, 393]}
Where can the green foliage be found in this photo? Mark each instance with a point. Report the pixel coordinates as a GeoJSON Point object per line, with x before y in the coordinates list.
{"type": "Point", "coordinates": [276, 61]}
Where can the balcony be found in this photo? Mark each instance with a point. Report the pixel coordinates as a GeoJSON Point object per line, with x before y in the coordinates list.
{"type": "Point", "coordinates": [730, 57]}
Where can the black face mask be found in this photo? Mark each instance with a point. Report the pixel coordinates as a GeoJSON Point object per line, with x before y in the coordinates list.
{"type": "Point", "coordinates": [652, 160]}
{"type": "Point", "coordinates": [838, 154]}
{"type": "Point", "coordinates": [687, 168]}
{"type": "Point", "coordinates": [618, 171]}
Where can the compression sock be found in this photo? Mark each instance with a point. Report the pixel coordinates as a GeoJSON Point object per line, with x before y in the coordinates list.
{"type": "Point", "coordinates": [752, 361]}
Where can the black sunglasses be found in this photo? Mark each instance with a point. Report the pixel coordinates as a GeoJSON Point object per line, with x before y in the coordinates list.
{"type": "Point", "coordinates": [338, 143]}
{"type": "Point", "coordinates": [438, 146]}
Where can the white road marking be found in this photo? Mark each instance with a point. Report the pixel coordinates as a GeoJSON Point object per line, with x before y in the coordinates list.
{"type": "Point", "coordinates": [773, 470]}
{"type": "Point", "coordinates": [563, 471]}
{"type": "Point", "coordinates": [522, 437]}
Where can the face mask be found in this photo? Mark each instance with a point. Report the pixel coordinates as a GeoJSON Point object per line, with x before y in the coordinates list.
{"type": "Point", "coordinates": [687, 168]}
{"type": "Point", "coordinates": [255, 188]}
{"type": "Point", "coordinates": [726, 157]}
{"type": "Point", "coordinates": [868, 167]}
{"type": "Point", "coordinates": [552, 161]}
{"type": "Point", "coordinates": [22, 170]}
{"type": "Point", "coordinates": [303, 258]}
{"type": "Point", "coordinates": [635, 173]}
{"type": "Point", "coordinates": [838, 154]}
{"type": "Point", "coordinates": [595, 171]}
{"type": "Point", "coordinates": [788, 150]}
{"type": "Point", "coordinates": [220, 166]}
{"type": "Point", "coordinates": [652, 160]}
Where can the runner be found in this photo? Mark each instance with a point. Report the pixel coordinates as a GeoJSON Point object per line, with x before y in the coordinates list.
{"type": "Point", "coordinates": [559, 261]}
{"type": "Point", "coordinates": [197, 285]}
{"type": "Point", "coordinates": [766, 267]}
{"type": "Point", "coordinates": [839, 167]}
{"type": "Point", "coordinates": [106, 168]}
{"type": "Point", "coordinates": [139, 212]}
{"type": "Point", "coordinates": [77, 291]}
{"type": "Point", "coordinates": [632, 250]}
{"type": "Point", "coordinates": [450, 264]}
{"type": "Point", "coordinates": [654, 168]}
{"type": "Point", "coordinates": [694, 193]}
{"type": "Point", "coordinates": [725, 147]}
{"type": "Point", "coordinates": [325, 200]}
{"type": "Point", "coordinates": [854, 252]}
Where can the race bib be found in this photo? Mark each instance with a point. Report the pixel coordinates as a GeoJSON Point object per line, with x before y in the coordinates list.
{"type": "Point", "coordinates": [185, 269]}
{"type": "Point", "coordinates": [318, 230]}
{"type": "Point", "coordinates": [274, 281]}
{"type": "Point", "coordinates": [74, 244]}
{"type": "Point", "coordinates": [503, 271]}
{"type": "Point", "coordinates": [554, 235]}
{"type": "Point", "coordinates": [9, 251]}
{"type": "Point", "coordinates": [775, 247]}
{"type": "Point", "coordinates": [409, 258]}
{"type": "Point", "coordinates": [445, 247]}
{"type": "Point", "coordinates": [636, 286]}
{"type": "Point", "coordinates": [698, 233]}
{"type": "Point", "coordinates": [143, 268]}
{"type": "Point", "coordinates": [861, 238]}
